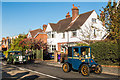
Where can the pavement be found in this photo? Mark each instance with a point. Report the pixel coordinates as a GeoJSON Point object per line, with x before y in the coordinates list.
{"type": "Point", "coordinates": [112, 70]}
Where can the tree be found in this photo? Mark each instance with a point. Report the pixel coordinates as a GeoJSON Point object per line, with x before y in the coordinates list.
{"type": "Point", "coordinates": [15, 42]}
{"type": "Point", "coordinates": [111, 17]}
{"type": "Point", "coordinates": [31, 43]}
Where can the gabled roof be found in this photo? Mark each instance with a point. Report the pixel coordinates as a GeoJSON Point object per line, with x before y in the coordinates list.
{"type": "Point", "coordinates": [67, 24]}
{"type": "Point", "coordinates": [34, 32]}
{"type": "Point", "coordinates": [80, 21]}
{"type": "Point", "coordinates": [61, 25]}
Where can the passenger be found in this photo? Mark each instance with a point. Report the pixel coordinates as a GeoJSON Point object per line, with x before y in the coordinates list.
{"type": "Point", "coordinates": [75, 53]}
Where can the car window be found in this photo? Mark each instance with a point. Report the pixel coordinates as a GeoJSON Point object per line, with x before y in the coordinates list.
{"type": "Point", "coordinates": [76, 52]}
{"type": "Point", "coordinates": [85, 52]}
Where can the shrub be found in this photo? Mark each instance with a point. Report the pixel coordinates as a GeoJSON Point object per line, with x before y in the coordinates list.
{"type": "Point", "coordinates": [105, 53]}
{"type": "Point", "coordinates": [81, 44]}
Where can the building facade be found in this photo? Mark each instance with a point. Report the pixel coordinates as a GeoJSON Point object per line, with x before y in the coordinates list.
{"type": "Point", "coordinates": [75, 29]}
{"type": "Point", "coordinates": [5, 44]}
{"type": "Point", "coordinates": [38, 34]}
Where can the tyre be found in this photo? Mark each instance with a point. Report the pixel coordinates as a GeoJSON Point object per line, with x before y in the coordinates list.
{"type": "Point", "coordinates": [98, 69]}
{"type": "Point", "coordinates": [85, 71]}
{"type": "Point", "coordinates": [66, 67]}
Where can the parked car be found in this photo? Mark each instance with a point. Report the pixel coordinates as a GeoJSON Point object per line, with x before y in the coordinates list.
{"type": "Point", "coordinates": [2, 56]}
{"type": "Point", "coordinates": [16, 56]}
{"type": "Point", "coordinates": [80, 58]}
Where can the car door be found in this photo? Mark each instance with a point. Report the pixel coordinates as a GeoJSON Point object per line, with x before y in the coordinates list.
{"type": "Point", "coordinates": [75, 60]}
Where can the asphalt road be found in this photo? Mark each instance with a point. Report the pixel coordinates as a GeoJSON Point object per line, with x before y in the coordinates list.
{"type": "Point", "coordinates": [52, 72]}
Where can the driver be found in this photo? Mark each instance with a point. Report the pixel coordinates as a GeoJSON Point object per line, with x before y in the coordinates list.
{"type": "Point", "coordinates": [83, 53]}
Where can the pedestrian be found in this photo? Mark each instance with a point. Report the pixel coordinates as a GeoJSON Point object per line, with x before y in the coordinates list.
{"type": "Point", "coordinates": [59, 57]}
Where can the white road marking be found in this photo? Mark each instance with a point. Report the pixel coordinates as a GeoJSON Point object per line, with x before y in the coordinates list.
{"type": "Point", "coordinates": [35, 72]}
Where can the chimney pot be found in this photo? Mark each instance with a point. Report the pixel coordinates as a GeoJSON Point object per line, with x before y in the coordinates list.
{"type": "Point", "coordinates": [44, 27]}
{"type": "Point", "coordinates": [75, 12]}
{"type": "Point", "coordinates": [68, 15]}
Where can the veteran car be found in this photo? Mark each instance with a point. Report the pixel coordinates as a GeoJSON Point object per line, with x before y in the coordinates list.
{"type": "Point", "coordinates": [16, 56]}
{"type": "Point", "coordinates": [80, 58]}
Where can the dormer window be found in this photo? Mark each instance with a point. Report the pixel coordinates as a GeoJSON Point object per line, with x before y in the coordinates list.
{"type": "Point", "coordinates": [93, 20]}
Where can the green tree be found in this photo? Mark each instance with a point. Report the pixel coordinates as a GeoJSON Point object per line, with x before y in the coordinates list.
{"type": "Point", "coordinates": [15, 43]}
{"type": "Point", "coordinates": [111, 17]}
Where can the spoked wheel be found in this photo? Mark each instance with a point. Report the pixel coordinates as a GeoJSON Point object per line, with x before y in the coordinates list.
{"type": "Point", "coordinates": [85, 71]}
{"type": "Point", "coordinates": [66, 67]}
{"type": "Point", "coordinates": [98, 69]}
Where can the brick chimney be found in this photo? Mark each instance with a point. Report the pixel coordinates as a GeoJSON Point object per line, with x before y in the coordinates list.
{"type": "Point", "coordinates": [44, 27]}
{"type": "Point", "coordinates": [75, 12]}
{"type": "Point", "coordinates": [68, 15]}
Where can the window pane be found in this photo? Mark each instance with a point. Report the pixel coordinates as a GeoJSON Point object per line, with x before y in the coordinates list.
{"type": "Point", "coordinates": [76, 52]}
{"type": "Point", "coordinates": [53, 47]}
{"type": "Point", "coordinates": [53, 35]}
{"type": "Point", "coordinates": [63, 35]}
{"type": "Point", "coordinates": [74, 33]}
{"type": "Point", "coordinates": [94, 20]}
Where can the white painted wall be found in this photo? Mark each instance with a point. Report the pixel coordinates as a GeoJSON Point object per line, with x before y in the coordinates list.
{"type": "Point", "coordinates": [29, 35]}
{"type": "Point", "coordinates": [85, 29]}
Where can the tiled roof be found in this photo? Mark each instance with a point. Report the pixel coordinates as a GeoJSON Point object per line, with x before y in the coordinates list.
{"type": "Point", "coordinates": [67, 24]}
{"type": "Point", "coordinates": [80, 21]}
{"type": "Point", "coordinates": [34, 32]}
{"type": "Point", "coordinates": [61, 25]}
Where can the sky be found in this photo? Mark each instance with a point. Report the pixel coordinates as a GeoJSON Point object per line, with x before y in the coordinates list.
{"type": "Point", "coordinates": [20, 17]}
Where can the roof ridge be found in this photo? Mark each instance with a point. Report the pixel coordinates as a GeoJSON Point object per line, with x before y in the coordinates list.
{"type": "Point", "coordinates": [71, 17]}
{"type": "Point", "coordinates": [87, 12]}
{"type": "Point", "coordinates": [71, 23]}
{"type": "Point", "coordinates": [36, 29]}
{"type": "Point", "coordinates": [63, 19]}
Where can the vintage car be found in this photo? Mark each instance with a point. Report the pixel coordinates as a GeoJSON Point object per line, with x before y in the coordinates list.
{"type": "Point", "coordinates": [80, 58]}
{"type": "Point", "coordinates": [16, 56]}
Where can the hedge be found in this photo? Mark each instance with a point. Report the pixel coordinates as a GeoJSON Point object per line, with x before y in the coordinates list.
{"type": "Point", "coordinates": [106, 53]}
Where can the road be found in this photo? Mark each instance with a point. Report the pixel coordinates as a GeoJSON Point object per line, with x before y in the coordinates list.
{"type": "Point", "coordinates": [41, 70]}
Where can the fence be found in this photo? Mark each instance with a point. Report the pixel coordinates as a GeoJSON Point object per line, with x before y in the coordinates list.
{"type": "Point", "coordinates": [38, 54]}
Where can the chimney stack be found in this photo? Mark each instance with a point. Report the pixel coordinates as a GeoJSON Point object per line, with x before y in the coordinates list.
{"type": "Point", "coordinates": [68, 15]}
{"type": "Point", "coordinates": [44, 27]}
{"type": "Point", "coordinates": [75, 12]}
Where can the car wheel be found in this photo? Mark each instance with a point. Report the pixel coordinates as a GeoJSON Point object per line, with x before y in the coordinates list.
{"type": "Point", "coordinates": [66, 67]}
{"type": "Point", "coordinates": [98, 69]}
{"type": "Point", "coordinates": [85, 71]}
